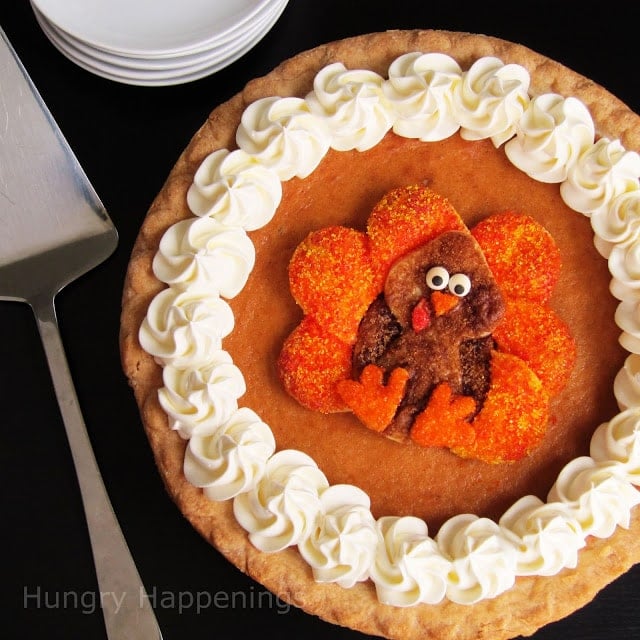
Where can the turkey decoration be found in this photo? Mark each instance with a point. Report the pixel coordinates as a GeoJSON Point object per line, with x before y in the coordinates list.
{"type": "Point", "coordinates": [430, 332]}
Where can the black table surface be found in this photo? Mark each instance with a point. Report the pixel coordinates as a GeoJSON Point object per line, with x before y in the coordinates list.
{"type": "Point", "coordinates": [127, 138]}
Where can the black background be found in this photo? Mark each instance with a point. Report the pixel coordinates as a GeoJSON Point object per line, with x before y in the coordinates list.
{"type": "Point", "coordinates": [127, 138]}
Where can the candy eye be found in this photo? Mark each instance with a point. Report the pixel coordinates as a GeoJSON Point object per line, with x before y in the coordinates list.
{"type": "Point", "coordinates": [459, 285]}
{"type": "Point", "coordinates": [437, 278]}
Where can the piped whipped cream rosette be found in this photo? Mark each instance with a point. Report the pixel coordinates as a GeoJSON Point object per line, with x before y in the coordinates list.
{"type": "Point", "coordinates": [232, 459]}
{"type": "Point", "coordinates": [281, 498]}
{"type": "Point", "coordinates": [626, 386]}
{"type": "Point", "coordinates": [184, 327]}
{"type": "Point", "coordinates": [491, 99]}
{"type": "Point", "coordinates": [541, 527]}
{"type": "Point", "coordinates": [342, 545]}
{"type": "Point", "coordinates": [409, 568]}
{"type": "Point", "coordinates": [281, 510]}
{"type": "Point", "coordinates": [204, 253]}
{"type": "Point", "coordinates": [353, 104]}
{"type": "Point", "coordinates": [198, 400]}
{"type": "Point", "coordinates": [551, 134]}
{"type": "Point", "coordinates": [602, 172]}
{"type": "Point", "coordinates": [420, 90]}
{"type": "Point", "coordinates": [617, 224]}
{"type": "Point", "coordinates": [598, 494]}
{"type": "Point", "coordinates": [482, 556]}
{"type": "Point", "coordinates": [282, 134]}
{"type": "Point", "coordinates": [617, 441]}
{"type": "Point", "coordinates": [235, 189]}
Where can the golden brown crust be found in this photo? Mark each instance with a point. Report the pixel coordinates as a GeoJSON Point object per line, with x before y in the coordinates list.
{"type": "Point", "coordinates": [533, 602]}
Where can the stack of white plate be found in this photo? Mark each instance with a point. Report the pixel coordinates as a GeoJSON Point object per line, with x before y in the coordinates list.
{"type": "Point", "coordinates": [155, 42]}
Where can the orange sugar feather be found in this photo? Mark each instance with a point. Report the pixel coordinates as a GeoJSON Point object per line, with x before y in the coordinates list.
{"type": "Point", "coordinates": [311, 362]}
{"type": "Point", "coordinates": [514, 416]}
{"type": "Point", "coordinates": [538, 336]}
{"type": "Point", "coordinates": [331, 278]}
{"type": "Point", "coordinates": [404, 219]}
{"type": "Point", "coordinates": [521, 254]}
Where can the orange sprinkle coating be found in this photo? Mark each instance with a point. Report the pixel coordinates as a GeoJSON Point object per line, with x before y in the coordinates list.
{"type": "Point", "coordinates": [332, 279]}
{"type": "Point", "coordinates": [406, 218]}
{"type": "Point", "coordinates": [444, 421]}
{"type": "Point", "coordinates": [538, 336]}
{"type": "Point", "coordinates": [514, 417]}
{"type": "Point", "coordinates": [311, 362]}
{"type": "Point", "coordinates": [521, 254]}
{"type": "Point", "coordinates": [372, 401]}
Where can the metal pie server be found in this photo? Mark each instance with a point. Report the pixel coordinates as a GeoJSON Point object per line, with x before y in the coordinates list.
{"type": "Point", "coordinates": [53, 229]}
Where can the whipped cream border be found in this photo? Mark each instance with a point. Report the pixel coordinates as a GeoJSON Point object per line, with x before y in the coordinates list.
{"type": "Point", "coordinates": [281, 498]}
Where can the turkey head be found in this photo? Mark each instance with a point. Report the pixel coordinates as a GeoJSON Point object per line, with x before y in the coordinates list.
{"type": "Point", "coordinates": [434, 320]}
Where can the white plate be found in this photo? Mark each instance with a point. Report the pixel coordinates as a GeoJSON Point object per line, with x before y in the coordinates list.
{"type": "Point", "coordinates": [149, 27]}
{"type": "Point", "coordinates": [180, 76]}
{"type": "Point", "coordinates": [221, 46]}
{"type": "Point", "coordinates": [133, 68]}
{"type": "Point", "coordinates": [164, 59]}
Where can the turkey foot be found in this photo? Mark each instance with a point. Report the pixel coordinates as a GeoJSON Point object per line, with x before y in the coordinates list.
{"type": "Point", "coordinates": [373, 402]}
{"type": "Point", "coordinates": [444, 421]}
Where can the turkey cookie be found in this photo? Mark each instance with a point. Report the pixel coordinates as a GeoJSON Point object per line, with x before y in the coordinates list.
{"type": "Point", "coordinates": [423, 363]}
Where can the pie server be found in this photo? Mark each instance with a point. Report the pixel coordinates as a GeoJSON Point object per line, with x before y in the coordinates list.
{"type": "Point", "coordinates": [55, 229]}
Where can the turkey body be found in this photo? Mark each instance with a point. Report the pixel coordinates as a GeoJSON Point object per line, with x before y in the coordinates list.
{"type": "Point", "coordinates": [434, 319]}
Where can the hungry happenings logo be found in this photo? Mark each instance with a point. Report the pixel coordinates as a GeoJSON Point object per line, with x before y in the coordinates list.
{"type": "Point", "coordinates": [183, 601]}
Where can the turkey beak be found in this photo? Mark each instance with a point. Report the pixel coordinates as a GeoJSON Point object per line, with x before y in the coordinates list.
{"type": "Point", "coordinates": [443, 302]}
